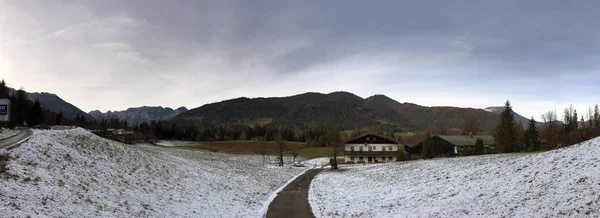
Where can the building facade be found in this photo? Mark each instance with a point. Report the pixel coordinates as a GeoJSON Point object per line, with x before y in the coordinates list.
{"type": "Point", "coordinates": [446, 145]}
{"type": "Point", "coordinates": [370, 148]}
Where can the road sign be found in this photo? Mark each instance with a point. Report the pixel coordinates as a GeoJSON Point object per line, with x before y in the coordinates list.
{"type": "Point", "coordinates": [4, 110]}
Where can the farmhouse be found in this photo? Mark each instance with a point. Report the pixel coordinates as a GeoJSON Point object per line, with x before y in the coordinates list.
{"type": "Point", "coordinates": [370, 148]}
{"type": "Point", "coordinates": [452, 145]}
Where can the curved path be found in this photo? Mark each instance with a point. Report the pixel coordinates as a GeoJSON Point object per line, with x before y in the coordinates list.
{"type": "Point", "coordinates": [292, 201]}
{"type": "Point", "coordinates": [23, 134]}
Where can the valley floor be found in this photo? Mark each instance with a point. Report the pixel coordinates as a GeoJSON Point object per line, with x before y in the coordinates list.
{"type": "Point", "coordinates": [559, 183]}
{"type": "Point", "coordinates": [73, 173]}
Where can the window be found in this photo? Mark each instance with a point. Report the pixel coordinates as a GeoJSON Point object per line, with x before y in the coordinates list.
{"type": "Point", "coordinates": [390, 147]}
{"type": "Point", "coordinates": [351, 158]}
{"type": "Point", "coordinates": [371, 148]}
{"type": "Point", "coordinates": [360, 158]}
{"type": "Point", "coordinates": [360, 148]}
{"type": "Point", "coordinates": [352, 148]}
{"type": "Point", "coordinates": [391, 158]}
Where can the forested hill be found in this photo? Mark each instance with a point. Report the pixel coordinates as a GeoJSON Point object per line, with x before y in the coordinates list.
{"type": "Point", "coordinates": [312, 109]}
{"type": "Point", "coordinates": [55, 104]}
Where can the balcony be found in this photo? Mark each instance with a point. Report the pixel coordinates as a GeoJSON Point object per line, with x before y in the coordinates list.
{"type": "Point", "coordinates": [370, 153]}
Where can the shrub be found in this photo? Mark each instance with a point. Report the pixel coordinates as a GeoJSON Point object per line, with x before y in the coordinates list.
{"type": "Point", "coordinates": [401, 153]}
{"type": "Point", "coordinates": [3, 166]}
{"type": "Point", "coordinates": [4, 155]}
{"type": "Point", "coordinates": [466, 152]}
{"type": "Point", "coordinates": [478, 148]}
{"type": "Point", "coordinates": [4, 161]}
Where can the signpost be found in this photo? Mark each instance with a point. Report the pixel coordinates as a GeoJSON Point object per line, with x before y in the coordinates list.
{"type": "Point", "coordinates": [4, 110]}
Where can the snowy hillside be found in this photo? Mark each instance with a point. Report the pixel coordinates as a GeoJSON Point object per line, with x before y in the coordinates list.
{"type": "Point", "coordinates": [6, 133]}
{"type": "Point", "coordinates": [558, 183]}
{"type": "Point", "coordinates": [73, 173]}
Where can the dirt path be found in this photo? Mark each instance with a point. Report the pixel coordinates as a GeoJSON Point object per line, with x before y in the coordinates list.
{"type": "Point", "coordinates": [23, 134]}
{"type": "Point", "coordinates": [292, 201]}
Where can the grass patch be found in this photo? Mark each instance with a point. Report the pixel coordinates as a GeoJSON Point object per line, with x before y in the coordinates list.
{"type": "Point", "coordinates": [247, 147]}
{"type": "Point", "coordinates": [316, 152]}
{"type": "Point", "coordinates": [258, 147]}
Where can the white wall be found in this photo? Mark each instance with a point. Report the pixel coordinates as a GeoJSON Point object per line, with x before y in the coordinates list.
{"type": "Point", "coordinates": [366, 158]}
{"type": "Point", "coordinates": [377, 147]}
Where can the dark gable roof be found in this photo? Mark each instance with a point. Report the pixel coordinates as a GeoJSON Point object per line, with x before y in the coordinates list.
{"type": "Point", "coordinates": [373, 134]}
{"type": "Point", "coordinates": [465, 140]}
{"type": "Point", "coordinates": [458, 140]}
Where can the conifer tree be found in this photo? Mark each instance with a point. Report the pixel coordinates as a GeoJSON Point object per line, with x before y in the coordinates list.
{"type": "Point", "coordinates": [21, 106]}
{"type": "Point", "coordinates": [59, 119]}
{"type": "Point", "coordinates": [4, 93]}
{"type": "Point", "coordinates": [478, 148]}
{"type": "Point", "coordinates": [428, 151]}
{"type": "Point", "coordinates": [532, 135]}
{"type": "Point", "coordinates": [36, 115]}
{"type": "Point", "coordinates": [506, 130]}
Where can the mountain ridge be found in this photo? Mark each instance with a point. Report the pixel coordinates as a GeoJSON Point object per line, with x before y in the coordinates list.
{"type": "Point", "coordinates": [318, 109]}
{"type": "Point", "coordinates": [56, 104]}
{"type": "Point", "coordinates": [137, 115]}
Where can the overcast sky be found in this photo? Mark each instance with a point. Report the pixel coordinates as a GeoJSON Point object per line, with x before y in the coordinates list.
{"type": "Point", "coordinates": [111, 55]}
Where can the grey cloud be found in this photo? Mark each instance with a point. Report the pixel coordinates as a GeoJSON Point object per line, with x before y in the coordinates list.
{"type": "Point", "coordinates": [210, 50]}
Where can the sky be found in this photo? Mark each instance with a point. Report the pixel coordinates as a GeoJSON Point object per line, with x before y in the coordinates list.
{"type": "Point", "coordinates": [111, 55]}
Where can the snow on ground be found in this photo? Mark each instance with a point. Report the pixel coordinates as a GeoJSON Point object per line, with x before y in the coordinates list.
{"type": "Point", "coordinates": [557, 183]}
{"type": "Point", "coordinates": [73, 173]}
{"type": "Point", "coordinates": [5, 133]}
{"type": "Point", "coordinates": [166, 143]}
{"type": "Point", "coordinates": [317, 162]}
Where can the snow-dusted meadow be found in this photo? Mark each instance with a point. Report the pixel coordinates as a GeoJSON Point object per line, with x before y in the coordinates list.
{"type": "Point", "coordinates": [73, 173]}
{"type": "Point", "coordinates": [558, 183]}
{"type": "Point", "coordinates": [6, 133]}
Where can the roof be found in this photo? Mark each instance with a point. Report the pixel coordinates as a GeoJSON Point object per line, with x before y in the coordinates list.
{"type": "Point", "coordinates": [414, 140]}
{"type": "Point", "coordinates": [462, 140]}
{"type": "Point", "coordinates": [372, 134]}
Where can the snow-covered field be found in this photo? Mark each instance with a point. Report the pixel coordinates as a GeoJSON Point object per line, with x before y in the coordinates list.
{"type": "Point", "coordinates": [559, 183]}
{"type": "Point", "coordinates": [73, 173]}
{"type": "Point", "coordinates": [5, 133]}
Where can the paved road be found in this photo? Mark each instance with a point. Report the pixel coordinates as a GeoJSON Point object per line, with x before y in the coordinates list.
{"type": "Point", "coordinates": [23, 134]}
{"type": "Point", "coordinates": [292, 201]}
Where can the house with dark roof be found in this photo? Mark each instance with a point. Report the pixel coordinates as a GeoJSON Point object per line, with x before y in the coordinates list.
{"type": "Point", "coordinates": [452, 145]}
{"type": "Point", "coordinates": [370, 148]}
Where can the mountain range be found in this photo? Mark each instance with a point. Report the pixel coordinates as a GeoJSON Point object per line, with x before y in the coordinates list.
{"type": "Point", "coordinates": [298, 111]}
{"type": "Point", "coordinates": [135, 116]}
{"type": "Point", "coordinates": [317, 109]}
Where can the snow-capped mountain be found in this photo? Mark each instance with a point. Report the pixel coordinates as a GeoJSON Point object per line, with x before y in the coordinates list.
{"type": "Point", "coordinates": [135, 116]}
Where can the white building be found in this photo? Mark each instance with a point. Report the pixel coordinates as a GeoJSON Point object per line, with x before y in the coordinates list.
{"type": "Point", "coordinates": [370, 148]}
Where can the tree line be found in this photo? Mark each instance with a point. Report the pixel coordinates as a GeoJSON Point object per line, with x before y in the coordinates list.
{"type": "Point", "coordinates": [24, 111]}
{"type": "Point", "coordinates": [512, 136]}
{"type": "Point", "coordinates": [268, 132]}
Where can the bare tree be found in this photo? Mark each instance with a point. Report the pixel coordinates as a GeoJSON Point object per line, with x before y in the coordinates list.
{"type": "Point", "coordinates": [470, 124]}
{"type": "Point", "coordinates": [281, 147]}
{"type": "Point", "coordinates": [550, 127]}
{"type": "Point", "coordinates": [264, 155]}
{"type": "Point", "coordinates": [295, 153]}
{"type": "Point", "coordinates": [333, 139]}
